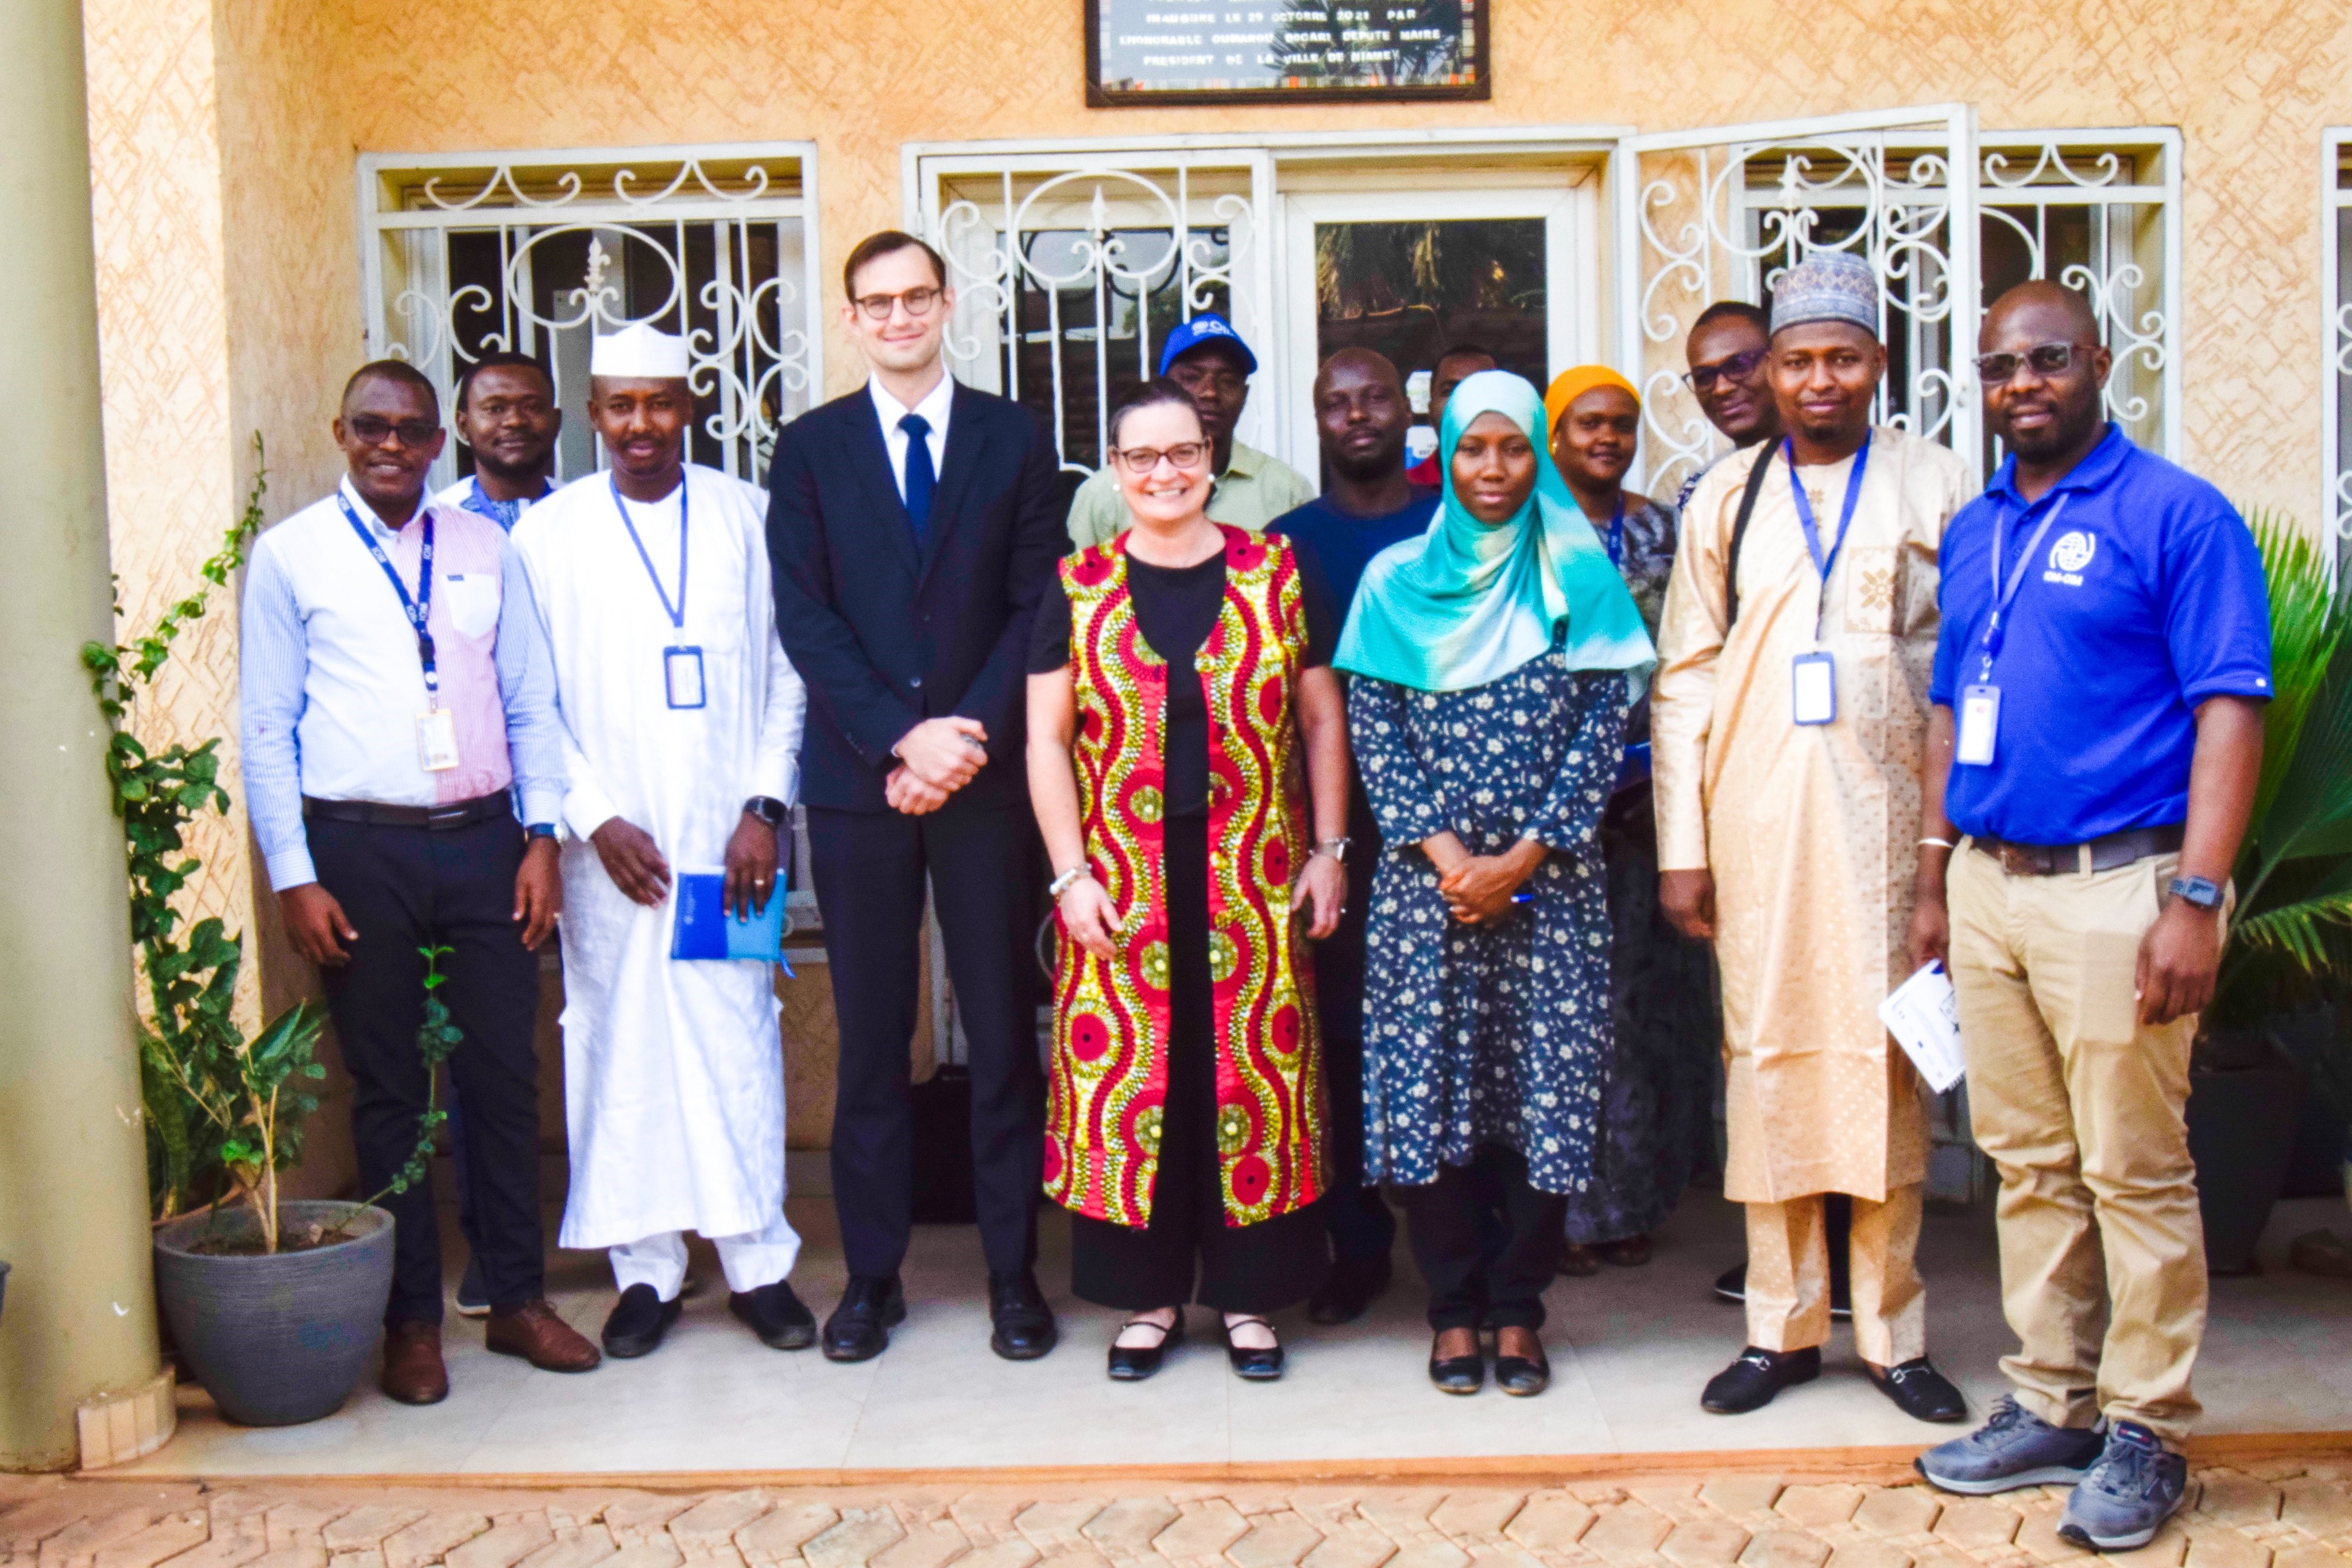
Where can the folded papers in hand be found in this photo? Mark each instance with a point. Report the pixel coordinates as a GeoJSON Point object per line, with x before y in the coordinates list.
{"type": "Point", "coordinates": [1924, 1016]}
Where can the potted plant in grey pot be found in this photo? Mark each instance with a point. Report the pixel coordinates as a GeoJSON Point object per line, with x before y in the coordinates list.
{"type": "Point", "coordinates": [2292, 932]}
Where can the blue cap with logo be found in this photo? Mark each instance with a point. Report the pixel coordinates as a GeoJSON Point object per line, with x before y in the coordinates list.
{"type": "Point", "coordinates": [1208, 327]}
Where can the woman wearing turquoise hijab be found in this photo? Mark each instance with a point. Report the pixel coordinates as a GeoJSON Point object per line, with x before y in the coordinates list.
{"type": "Point", "coordinates": [1492, 661]}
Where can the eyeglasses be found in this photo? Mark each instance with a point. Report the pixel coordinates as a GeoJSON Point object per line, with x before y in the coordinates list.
{"type": "Point", "coordinates": [372, 430]}
{"type": "Point", "coordinates": [1739, 366]}
{"type": "Point", "coordinates": [2047, 359]}
{"type": "Point", "coordinates": [1144, 459]}
{"type": "Point", "coordinates": [919, 302]}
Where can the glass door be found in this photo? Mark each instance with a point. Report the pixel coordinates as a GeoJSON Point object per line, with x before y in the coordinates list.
{"type": "Point", "coordinates": [1415, 273]}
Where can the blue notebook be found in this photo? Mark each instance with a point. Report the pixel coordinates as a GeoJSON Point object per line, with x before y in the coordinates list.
{"type": "Point", "coordinates": [705, 929]}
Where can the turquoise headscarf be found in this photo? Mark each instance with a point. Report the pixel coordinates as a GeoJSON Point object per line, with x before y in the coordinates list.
{"type": "Point", "coordinates": [1468, 603]}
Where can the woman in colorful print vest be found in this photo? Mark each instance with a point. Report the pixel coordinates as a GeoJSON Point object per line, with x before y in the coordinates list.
{"type": "Point", "coordinates": [1493, 661]}
{"type": "Point", "coordinates": [1185, 729]}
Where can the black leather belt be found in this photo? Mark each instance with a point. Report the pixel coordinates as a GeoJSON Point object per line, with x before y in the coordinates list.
{"type": "Point", "coordinates": [2064, 859]}
{"type": "Point", "coordinates": [434, 818]}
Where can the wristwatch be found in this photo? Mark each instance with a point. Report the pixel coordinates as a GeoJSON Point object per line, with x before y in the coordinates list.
{"type": "Point", "coordinates": [538, 831]}
{"type": "Point", "coordinates": [1336, 848]}
{"type": "Point", "coordinates": [768, 809]}
{"type": "Point", "coordinates": [1069, 879]}
{"type": "Point", "coordinates": [2197, 890]}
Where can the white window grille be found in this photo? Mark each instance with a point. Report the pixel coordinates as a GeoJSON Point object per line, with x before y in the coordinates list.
{"type": "Point", "coordinates": [536, 253]}
{"type": "Point", "coordinates": [1070, 272]}
{"type": "Point", "coordinates": [1721, 215]}
{"type": "Point", "coordinates": [2336, 302]}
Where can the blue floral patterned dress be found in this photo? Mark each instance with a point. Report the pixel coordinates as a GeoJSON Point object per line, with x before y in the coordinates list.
{"type": "Point", "coordinates": [1476, 1036]}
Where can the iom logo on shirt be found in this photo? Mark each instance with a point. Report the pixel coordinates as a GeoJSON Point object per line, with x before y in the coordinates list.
{"type": "Point", "coordinates": [2069, 556]}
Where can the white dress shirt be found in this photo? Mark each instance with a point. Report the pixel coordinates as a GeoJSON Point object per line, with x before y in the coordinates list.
{"type": "Point", "coordinates": [933, 407]}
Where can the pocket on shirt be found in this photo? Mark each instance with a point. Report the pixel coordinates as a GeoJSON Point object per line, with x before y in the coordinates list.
{"type": "Point", "coordinates": [473, 599]}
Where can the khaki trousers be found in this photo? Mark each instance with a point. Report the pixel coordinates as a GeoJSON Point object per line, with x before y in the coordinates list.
{"type": "Point", "coordinates": [2102, 1249]}
{"type": "Point", "coordinates": [1789, 1277]}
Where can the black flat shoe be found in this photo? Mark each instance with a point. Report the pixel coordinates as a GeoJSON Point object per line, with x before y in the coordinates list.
{"type": "Point", "coordinates": [859, 1328]}
{"type": "Point", "coordinates": [1749, 1383]}
{"type": "Point", "coordinates": [1250, 1363]}
{"type": "Point", "coordinates": [1133, 1364]}
{"type": "Point", "coordinates": [776, 1315]}
{"type": "Point", "coordinates": [1921, 1392]}
{"type": "Point", "coordinates": [1021, 1325]}
{"type": "Point", "coordinates": [637, 1321]}
{"type": "Point", "coordinates": [1522, 1375]}
{"type": "Point", "coordinates": [1457, 1374]}
{"type": "Point", "coordinates": [1354, 1285]}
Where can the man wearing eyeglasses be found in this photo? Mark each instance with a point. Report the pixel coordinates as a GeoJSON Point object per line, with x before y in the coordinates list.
{"type": "Point", "coordinates": [913, 525]}
{"type": "Point", "coordinates": [2092, 761]}
{"type": "Point", "coordinates": [397, 697]}
{"type": "Point", "coordinates": [1726, 350]}
{"type": "Point", "coordinates": [1208, 359]}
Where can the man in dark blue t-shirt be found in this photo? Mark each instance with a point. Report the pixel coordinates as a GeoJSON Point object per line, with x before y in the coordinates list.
{"type": "Point", "coordinates": [2099, 687]}
{"type": "Point", "coordinates": [1361, 416]}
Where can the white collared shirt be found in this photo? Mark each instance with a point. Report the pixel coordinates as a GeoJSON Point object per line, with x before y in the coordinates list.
{"type": "Point", "coordinates": [933, 407]}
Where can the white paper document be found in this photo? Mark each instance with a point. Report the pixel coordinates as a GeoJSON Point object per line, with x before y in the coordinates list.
{"type": "Point", "coordinates": [1924, 1016]}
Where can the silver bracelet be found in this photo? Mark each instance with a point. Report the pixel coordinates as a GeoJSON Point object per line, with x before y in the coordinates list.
{"type": "Point", "coordinates": [1068, 880]}
{"type": "Point", "coordinates": [1940, 843]}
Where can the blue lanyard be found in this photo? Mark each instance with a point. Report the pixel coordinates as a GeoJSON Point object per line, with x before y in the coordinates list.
{"type": "Point", "coordinates": [2004, 596]}
{"type": "Point", "coordinates": [676, 613]}
{"type": "Point", "coordinates": [1824, 564]}
{"type": "Point", "coordinates": [1617, 532]}
{"type": "Point", "coordinates": [418, 610]}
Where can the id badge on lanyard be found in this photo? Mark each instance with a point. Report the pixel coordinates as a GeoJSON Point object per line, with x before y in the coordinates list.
{"type": "Point", "coordinates": [1812, 687]}
{"type": "Point", "coordinates": [1977, 741]}
{"type": "Point", "coordinates": [1812, 676]}
{"type": "Point", "coordinates": [682, 684]}
{"type": "Point", "coordinates": [436, 728]}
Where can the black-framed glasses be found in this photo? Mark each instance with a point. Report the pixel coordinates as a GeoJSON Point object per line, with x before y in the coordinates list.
{"type": "Point", "coordinates": [1144, 459]}
{"type": "Point", "coordinates": [373, 430]}
{"type": "Point", "coordinates": [1739, 366]}
{"type": "Point", "coordinates": [919, 302]}
{"type": "Point", "coordinates": [2047, 359]}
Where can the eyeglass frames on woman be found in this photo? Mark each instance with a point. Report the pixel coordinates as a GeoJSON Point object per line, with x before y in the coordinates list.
{"type": "Point", "coordinates": [1739, 366]}
{"type": "Point", "coordinates": [375, 431]}
{"type": "Point", "coordinates": [919, 302]}
{"type": "Point", "coordinates": [1144, 459]}
{"type": "Point", "coordinates": [2047, 359]}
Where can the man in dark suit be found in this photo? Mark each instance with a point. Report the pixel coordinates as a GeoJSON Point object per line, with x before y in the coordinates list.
{"type": "Point", "coordinates": [913, 525]}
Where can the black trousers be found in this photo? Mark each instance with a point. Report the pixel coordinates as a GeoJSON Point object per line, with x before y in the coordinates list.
{"type": "Point", "coordinates": [1358, 1219]}
{"type": "Point", "coordinates": [1453, 1224]}
{"type": "Point", "coordinates": [1260, 1268]}
{"type": "Point", "coordinates": [982, 861]}
{"type": "Point", "coordinates": [403, 889]}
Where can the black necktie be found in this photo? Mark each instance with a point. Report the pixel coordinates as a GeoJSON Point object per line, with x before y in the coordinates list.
{"type": "Point", "coordinates": [921, 477]}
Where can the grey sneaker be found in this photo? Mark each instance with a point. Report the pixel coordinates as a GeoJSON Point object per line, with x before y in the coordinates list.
{"type": "Point", "coordinates": [2014, 1449]}
{"type": "Point", "coordinates": [2135, 1486]}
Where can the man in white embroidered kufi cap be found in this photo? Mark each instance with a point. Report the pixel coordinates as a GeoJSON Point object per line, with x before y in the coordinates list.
{"type": "Point", "coordinates": [682, 723]}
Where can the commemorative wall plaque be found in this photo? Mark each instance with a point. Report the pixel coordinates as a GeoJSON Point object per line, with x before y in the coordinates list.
{"type": "Point", "coordinates": [1301, 51]}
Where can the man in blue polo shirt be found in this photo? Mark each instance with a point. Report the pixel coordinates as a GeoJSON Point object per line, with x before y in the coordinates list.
{"type": "Point", "coordinates": [2097, 734]}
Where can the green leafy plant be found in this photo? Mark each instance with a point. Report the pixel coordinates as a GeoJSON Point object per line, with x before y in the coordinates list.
{"type": "Point", "coordinates": [437, 1039]}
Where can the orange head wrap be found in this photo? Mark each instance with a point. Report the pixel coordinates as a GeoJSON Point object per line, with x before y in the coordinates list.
{"type": "Point", "coordinates": [1569, 385]}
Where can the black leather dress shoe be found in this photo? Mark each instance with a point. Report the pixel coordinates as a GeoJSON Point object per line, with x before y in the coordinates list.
{"type": "Point", "coordinates": [1522, 1375]}
{"type": "Point", "coordinates": [637, 1321]}
{"type": "Point", "coordinates": [1457, 1374]}
{"type": "Point", "coordinates": [1023, 1323]}
{"type": "Point", "coordinates": [1254, 1364]}
{"type": "Point", "coordinates": [1921, 1392]}
{"type": "Point", "coordinates": [1749, 1383]}
{"type": "Point", "coordinates": [776, 1315]}
{"type": "Point", "coordinates": [859, 1328]}
{"type": "Point", "coordinates": [1133, 1364]}
{"type": "Point", "coordinates": [1355, 1283]}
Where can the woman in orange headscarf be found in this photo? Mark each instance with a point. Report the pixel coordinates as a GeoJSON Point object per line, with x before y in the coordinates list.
{"type": "Point", "coordinates": [1657, 1112]}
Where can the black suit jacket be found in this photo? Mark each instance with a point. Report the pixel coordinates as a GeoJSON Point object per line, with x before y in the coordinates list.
{"type": "Point", "coordinates": [888, 635]}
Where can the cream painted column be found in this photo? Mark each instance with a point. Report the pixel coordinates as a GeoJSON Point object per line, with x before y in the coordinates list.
{"type": "Point", "coordinates": [80, 1315]}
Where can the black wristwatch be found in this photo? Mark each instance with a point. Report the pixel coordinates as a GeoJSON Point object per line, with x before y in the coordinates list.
{"type": "Point", "coordinates": [538, 831]}
{"type": "Point", "coordinates": [768, 809]}
{"type": "Point", "coordinates": [2197, 890]}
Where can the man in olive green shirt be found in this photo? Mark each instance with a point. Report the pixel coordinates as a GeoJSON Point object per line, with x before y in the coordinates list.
{"type": "Point", "coordinates": [1208, 359]}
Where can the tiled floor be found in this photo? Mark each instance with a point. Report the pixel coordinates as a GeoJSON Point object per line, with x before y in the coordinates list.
{"type": "Point", "coordinates": [1630, 1350]}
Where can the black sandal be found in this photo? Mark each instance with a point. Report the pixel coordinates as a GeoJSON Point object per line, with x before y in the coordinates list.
{"type": "Point", "coordinates": [1133, 1364]}
{"type": "Point", "coordinates": [1252, 1363]}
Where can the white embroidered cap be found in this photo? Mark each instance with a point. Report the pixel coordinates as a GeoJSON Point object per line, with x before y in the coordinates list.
{"type": "Point", "coordinates": [639, 352]}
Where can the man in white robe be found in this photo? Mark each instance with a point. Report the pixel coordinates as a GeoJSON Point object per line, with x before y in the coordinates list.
{"type": "Point", "coordinates": [682, 724]}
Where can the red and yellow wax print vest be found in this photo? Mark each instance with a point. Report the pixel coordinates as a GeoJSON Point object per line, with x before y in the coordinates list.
{"type": "Point", "coordinates": [1109, 1068]}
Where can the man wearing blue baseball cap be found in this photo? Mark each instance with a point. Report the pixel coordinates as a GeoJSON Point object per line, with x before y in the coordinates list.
{"type": "Point", "coordinates": [1208, 359]}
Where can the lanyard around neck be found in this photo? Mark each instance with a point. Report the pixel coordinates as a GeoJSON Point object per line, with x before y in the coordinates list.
{"type": "Point", "coordinates": [1825, 563]}
{"type": "Point", "coordinates": [676, 613]}
{"type": "Point", "coordinates": [2004, 594]}
{"type": "Point", "coordinates": [419, 610]}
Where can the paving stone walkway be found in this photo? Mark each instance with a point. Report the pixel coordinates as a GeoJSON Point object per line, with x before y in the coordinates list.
{"type": "Point", "coordinates": [2280, 1513]}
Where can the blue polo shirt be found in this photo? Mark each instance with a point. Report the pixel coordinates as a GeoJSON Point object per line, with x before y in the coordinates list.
{"type": "Point", "coordinates": [1347, 543]}
{"type": "Point", "coordinates": [2145, 598]}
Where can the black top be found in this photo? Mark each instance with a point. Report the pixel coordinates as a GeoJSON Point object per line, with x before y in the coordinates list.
{"type": "Point", "coordinates": [1176, 608]}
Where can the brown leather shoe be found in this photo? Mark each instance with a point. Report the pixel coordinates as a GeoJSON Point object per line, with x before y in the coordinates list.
{"type": "Point", "coordinates": [534, 1332]}
{"type": "Point", "coordinates": [413, 1372]}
